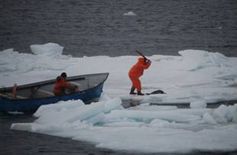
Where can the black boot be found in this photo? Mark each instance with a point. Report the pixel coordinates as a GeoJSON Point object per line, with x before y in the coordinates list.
{"type": "Point", "coordinates": [139, 93]}
{"type": "Point", "coordinates": [132, 91]}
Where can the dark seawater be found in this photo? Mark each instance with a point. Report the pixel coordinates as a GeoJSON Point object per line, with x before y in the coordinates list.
{"type": "Point", "coordinates": [98, 27]}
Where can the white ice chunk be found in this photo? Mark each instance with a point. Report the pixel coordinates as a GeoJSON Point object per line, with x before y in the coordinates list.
{"type": "Point", "coordinates": [130, 13]}
{"type": "Point", "coordinates": [48, 49]}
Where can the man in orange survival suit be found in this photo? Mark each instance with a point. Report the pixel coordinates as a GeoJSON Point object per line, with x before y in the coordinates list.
{"type": "Point", "coordinates": [136, 72]}
{"type": "Point", "coordinates": [62, 85]}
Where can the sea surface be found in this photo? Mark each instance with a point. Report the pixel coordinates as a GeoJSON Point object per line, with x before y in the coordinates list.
{"type": "Point", "coordinates": [99, 27]}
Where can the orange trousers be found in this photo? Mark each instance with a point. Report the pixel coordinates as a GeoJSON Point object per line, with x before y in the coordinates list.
{"type": "Point", "coordinates": [136, 83]}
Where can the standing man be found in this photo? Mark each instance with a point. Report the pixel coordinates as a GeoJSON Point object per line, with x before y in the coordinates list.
{"type": "Point", "coordinates": [136, 72]}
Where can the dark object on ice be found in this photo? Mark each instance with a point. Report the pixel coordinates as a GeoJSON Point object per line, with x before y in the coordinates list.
{"type": "Point", "coordinates": [156, 92]}
{"type": "Point", "coordinates": [30, 97]}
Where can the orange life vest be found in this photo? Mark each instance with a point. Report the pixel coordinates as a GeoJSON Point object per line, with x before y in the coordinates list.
{"type": "Point", "coordinates": [138, 69]}
{"type": "Point", "coordinates": [60, 86]}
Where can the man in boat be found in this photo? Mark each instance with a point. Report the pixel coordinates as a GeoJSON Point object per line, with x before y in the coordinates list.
{"type": "Point", "coordinates": [136, 72]}
{"type": "Point", "coordinates": [62, 85]}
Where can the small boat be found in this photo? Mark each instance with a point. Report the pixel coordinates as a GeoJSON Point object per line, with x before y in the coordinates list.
{"type": "Point", "coordinates": [29, 97]}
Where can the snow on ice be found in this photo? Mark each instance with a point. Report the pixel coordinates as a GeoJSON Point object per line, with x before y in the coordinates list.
{"type": "Point", "coordinates": [196, 76]}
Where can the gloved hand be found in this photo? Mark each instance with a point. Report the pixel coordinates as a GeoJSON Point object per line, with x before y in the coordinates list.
{"type": "Point", "coordinates": [147, 61]}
